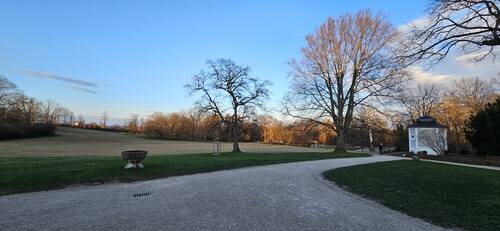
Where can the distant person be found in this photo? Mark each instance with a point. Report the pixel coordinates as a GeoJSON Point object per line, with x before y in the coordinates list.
{"type": "Point", "coordinates": [380, 148]}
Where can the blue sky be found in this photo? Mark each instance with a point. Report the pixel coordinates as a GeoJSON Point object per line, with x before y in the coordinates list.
{"type": "Point", "coordinates": [137, 55]}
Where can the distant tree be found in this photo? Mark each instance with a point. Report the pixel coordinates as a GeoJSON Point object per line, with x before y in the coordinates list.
{"type": "Point", "coordinates": [29, 109]}
{"type": "Point", "coordinates": [371, 120]}
{"type": "Point", "coordinates": [465, 97]}
{"type": "Point", "coordinates": [155, 125]}
{"type": "Point", "coordinates": [7, 90]}
{"type": "Point", "coordinates": [483, 129]}
{"type": "Point", "coordinates": [346, 62]}
{"type": "Point", "coordinates": [104, 119]}
{"type": "Point", "coordinates": [67, 117]}
{"type": "Point", "coordinates": [81, 121]}
{"type": "Point", "coordinates": [228, 88]}
{"type": "Point", "coordinates": [51, 111]}
{"type": "Point", "coordinates": [469, 25]}
{"type": "Point", "coordinates": [21, 115]}
{"type": "Point", "coordinates": [473, 93]}
{"type": "Point", "coordinates": [400, 135]}
{"type": "Point", "coordinates": [134, 124]}
{"type": "Point", "coordinates": [194, 116]}
{"type": "Point", "coordinates": [424, 99]}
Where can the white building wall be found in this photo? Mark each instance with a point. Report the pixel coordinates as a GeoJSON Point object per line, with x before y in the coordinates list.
{"type": "Point", "coordinates": [416, 146]}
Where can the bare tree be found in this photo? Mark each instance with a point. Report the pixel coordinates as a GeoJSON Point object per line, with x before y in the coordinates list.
{"type": "Point", "coordinates": [371, 120]}
{"type": "Point", "coordinates": [471, 25]}
{"type": "Point", "coordinates": [29, 108]}
{"type": "Point", "coordinates": [346, 62]}
{"type": "Point", "coordinates": [104, 119]}
{"type": "Point", "coordinates": [194, 115]}
{"type": "Point", "coordinates": [51, 111]}
{"type": "Point", "coordinates": [8, 91]}
{"type": "Point", "coordinates": [228, 88]}
{"type": "Point", "coordinates": [473, 93]}
{"type": "Point", "coordinates": [81, 121]}
{"type": "Point", "coordinates": [7, 88]}
{"type": "Point", "coordinates": [134, 124]}
{"type": "Point", "coordinates": [424, 99]}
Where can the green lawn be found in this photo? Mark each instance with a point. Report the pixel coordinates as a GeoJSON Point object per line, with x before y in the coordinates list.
{"type": "Point", "coordinates": [446, 195]}
{"type": "Point", "coordinates": [26, 174]}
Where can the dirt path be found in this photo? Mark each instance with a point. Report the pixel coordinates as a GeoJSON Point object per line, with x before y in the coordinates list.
{"type": "Point", "coordinates": [276, 197]}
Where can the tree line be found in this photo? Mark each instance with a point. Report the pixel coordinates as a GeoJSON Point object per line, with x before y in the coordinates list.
{"type": "Point", "coordinates": [23, 116]}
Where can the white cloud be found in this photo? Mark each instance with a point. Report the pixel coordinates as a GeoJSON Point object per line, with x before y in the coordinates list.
{"type": "Point", "coordinates": [470, 57]}
{"type": "Point", "coordinates": [472, 60]}
{"type": "Point", "coordinates": [416, 23]}
{"type": "Point", "coordinates": [422, 76]}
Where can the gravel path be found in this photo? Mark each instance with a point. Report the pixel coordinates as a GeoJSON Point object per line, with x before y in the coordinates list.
{"type": "Point", "coordinates": [277, 197]}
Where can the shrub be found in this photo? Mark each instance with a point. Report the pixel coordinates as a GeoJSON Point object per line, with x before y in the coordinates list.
{"type": "Point", "coordinates": [10, 131]}
{"type": "Point", "coordinates": [463, 152]}
{"type": "Point", "coordinates": [401, 138]}
{"type": "Point", "coordinates": [483, 129]}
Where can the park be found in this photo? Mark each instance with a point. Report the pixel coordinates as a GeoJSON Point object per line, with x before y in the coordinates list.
{"type": "Point", "coordinates": [250, 115]}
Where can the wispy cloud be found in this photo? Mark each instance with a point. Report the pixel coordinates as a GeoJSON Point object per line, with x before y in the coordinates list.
{"type": "Point", "coordinates": [470, 57]}
{"type": "Point", "coordinates": [420, 75]}
{"type": "Point", "coordinates": [480, 60]}
{"type": "Point", "coordinates": [416, 23]}
{"type": "Point", "coordinates": [81, 89]}
{"type": "Point", "coordinates": [61, 78]}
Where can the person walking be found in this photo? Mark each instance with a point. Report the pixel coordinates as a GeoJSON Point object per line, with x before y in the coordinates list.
{"type": "Point", "coordinates": [380, 148]}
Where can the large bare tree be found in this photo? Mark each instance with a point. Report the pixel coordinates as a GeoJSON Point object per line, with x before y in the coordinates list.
{"type": "Point", "coordinates": [470, 25]}
{"type": "Point", "coordinates": [346, 62]}
{"type": "Point", "coordinates": [231, 92]}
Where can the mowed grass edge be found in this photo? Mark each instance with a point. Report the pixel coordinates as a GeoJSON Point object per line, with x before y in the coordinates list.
{"type": "Point", "coordinates": [28, 174]}
{"type": "Point", "coordinates": [447, 195]}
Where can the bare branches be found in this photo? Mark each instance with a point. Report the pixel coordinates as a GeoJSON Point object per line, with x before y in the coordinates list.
{"type": "Point", "coordinates": [346, 62]}
{"type": "Point", "coordinates": [424, 99]}
{"type": "Point", "coordinates": [23, 116]}
{"type": "Point", "coordinates": [468, 25]}
{"type": "Point", "coordinates": [227, 88]}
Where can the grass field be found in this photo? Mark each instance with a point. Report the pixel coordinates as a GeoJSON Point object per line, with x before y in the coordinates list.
{"type": "Point", "coordinates": [447, 195]}
{"type": "Point", "coordinates": [83, 142]}
{"type": "Point", "coordinates": [26, 174]}
{"type": "Point", "coordinates": [80, 156]}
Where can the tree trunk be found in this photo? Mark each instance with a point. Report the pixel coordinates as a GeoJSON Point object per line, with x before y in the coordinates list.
{"type": "Point", "coordinates": [236, 132]}
{"type": "Point", "coordinates": [236, 138]}
{"type": "Point", "coordinates": [340, 141]}
{"type": "Point", "coordinates": [371, 139]}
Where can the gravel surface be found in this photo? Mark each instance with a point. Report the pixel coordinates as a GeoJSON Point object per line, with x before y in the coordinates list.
{"type": "Point", "coordinates": [276, 197]}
